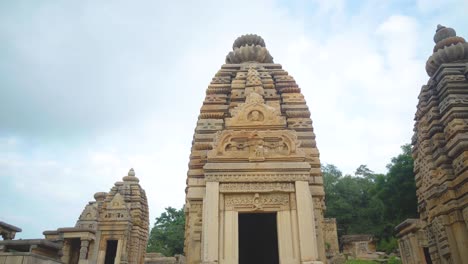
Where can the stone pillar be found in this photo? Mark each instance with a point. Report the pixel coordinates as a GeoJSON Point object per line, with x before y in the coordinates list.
{"type": "Point", "coordinates": [231, 238]}
{"type": "Point", "coordinates": [286, 239]}
{"type": "Point", "coordinates": [460, 233]}
{"type": "Point", "coordinates": [84, 251]}
{"type": "Point", "coordinates": [210, 223]}
{"type": "Point", "coordinates": [307, 235]}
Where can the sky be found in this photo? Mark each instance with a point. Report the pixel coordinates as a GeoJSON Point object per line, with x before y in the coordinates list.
{"type": "Point", "coordinates": [91, 89]}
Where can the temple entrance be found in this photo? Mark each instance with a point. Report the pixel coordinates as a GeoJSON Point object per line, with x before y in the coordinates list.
{"type": "Point", "coordinates": [74, 251]}
{"type": "Point", "coordinates": [111, 251]}
{"type": "Point", "coordinates": [258, 239]}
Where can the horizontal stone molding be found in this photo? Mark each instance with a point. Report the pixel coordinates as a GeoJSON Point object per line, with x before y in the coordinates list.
{"type": "Point", "coordinates": [256, 187]}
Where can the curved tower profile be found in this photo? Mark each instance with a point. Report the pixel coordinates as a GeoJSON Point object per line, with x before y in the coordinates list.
{"type": "Point", "coordinates": [440, 152]}
{"type": "Point", "coordinates": [254, 183]}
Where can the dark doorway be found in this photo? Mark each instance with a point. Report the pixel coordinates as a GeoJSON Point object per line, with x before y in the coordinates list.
{"type": "Point", "coordinates": [427, 256]}
{"type": "Point", "coordinates": [74, 255]}
{"type": "Point", "coordinates": [111, 251]}
{"type": "Point", "coordinates": [258, 239]}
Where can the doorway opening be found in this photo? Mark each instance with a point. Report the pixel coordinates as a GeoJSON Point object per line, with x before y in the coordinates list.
{"type": "Point", "coordinates": [111, 251]}
{"type": "Point", "coordinates": [427, 255]}
{"type": "Point", "coordinates": [258, 239]}
{"type": "Point", "coordinates": [74, 255]}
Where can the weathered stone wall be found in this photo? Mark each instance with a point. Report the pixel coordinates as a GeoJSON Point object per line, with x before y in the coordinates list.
{"type": "Point", "coordinates": [26, 258]}
{"type": "Point", "coordinates": [330, 236]}
{"type": "Point", "coordinates": [440, 150]}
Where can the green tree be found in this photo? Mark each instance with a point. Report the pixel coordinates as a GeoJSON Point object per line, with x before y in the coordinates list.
{"type": "Point", "coordinates": [167, 234]}
{"type": "Point", "coordinates": [372, 203]}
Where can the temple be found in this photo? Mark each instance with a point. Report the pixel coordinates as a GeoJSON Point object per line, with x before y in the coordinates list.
{"type": "Point", "coordinates": [254, 187]}
{"type": "Point", "coordinates": [112, 229]}
{"type": "Point", "coordinates": [440, 151]}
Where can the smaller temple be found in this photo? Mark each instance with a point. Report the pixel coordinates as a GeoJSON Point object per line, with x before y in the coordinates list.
{"type": "Point", "coordinates": [112, 229]}
{"type": "Point", "coordinates": [359, 246]}
{"type": "Point", "coordinates": [440, 152]}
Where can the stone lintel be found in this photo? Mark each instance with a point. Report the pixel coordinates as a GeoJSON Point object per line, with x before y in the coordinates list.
{"type": "Point", "coordinates": [260, 166]}
{"type": "Point", "coordinates": [9, 227]}
{"type": "Point", "coordinates": [44, 243]}
{"type": "Point", "coordinates": [410, 225]}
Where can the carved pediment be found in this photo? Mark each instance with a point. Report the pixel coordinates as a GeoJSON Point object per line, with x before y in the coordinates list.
{"type": "Point", "coordinates": [115, 210]}
{"type": "Point", "coordinates": [254, 146]}
{"type": "Point", "coordinates": [254, 113]}
{"type": "Point", "coordinates": [117, 202]}
{"type": "Point", "coordinates": [90, 213]}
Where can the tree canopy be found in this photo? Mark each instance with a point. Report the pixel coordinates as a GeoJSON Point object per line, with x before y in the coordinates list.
{"type": "Point", "coordinates": [167, 234]}
{"type": "Point", "coordinates": [372, 203]}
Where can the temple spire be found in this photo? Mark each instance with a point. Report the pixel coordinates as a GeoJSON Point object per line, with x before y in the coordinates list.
{"type": "Point", "coordinates": [448, 48]}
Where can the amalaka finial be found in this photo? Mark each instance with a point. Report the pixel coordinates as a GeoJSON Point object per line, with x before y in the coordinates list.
{"type": "Point", "coordinates": [249, 48]}
{"type": "Point", "coordinates": [448, 48]}
{"type": "Point", "coordinates": [443, 33]}
{"type": "Point", "coordinates": [131, 176]}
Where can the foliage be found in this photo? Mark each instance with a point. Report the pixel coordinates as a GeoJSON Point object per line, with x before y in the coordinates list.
{"type": "Point", "coordinates": [167, 234]}
{"type": "Point", "coordinates": [359, 261]}
{"type": "Point", "coordinates": [387, 245]}
{"type": "Point", "coordinates": [394, 260]}
{"type": "Point", "coordinates": [371, 203]}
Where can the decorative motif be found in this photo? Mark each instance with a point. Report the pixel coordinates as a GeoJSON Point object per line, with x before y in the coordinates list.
{"type": "Point", "coordinates": [256, 145]}
{"type": "Point", "coordinates": [255, 113]}
{"type": "Point", "coordinates": [256, 177]}
{"type": "Point", "coordinates": [256, 187]}
{"type": "Point", "coordinates": [256, 201]}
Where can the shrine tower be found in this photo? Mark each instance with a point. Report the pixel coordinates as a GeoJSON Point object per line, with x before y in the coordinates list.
{"type": "Point", "coordinates": [254, 188]}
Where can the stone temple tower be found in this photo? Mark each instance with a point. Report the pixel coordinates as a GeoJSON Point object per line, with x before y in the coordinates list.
{"type": "Point", "coordinates": [111, 229]}
{"type": "Point", "coordinates": [254, 186]}
{"type": "Point", "coordinates": [440, 151]}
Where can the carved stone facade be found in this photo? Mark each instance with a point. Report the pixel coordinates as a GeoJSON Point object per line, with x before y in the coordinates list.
{"type": "Point", "coordinates": [114, 227]}
{"type": "Point", "coordinates": [253, 151]}
{"type": "Point", "coordinates": [440, 151]}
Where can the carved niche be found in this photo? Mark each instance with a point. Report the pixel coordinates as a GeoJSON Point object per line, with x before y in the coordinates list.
{"type": "Point", "coordinates": [115, 210]}
{"type": "Point", "coordinates": [254, 113]}
{"type": "Point", "coordinates": [255, 146]}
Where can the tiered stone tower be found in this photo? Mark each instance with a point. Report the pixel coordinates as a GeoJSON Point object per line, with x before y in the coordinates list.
{"type": "Point", "coordinates": [254, 183]}
{"type": "Point", "coordinates": [441, 158]}
{"type": "Point", "coordinates": [112, 229]}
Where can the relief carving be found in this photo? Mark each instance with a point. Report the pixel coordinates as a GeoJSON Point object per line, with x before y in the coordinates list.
{"type": "Point", "coordinates": [257, 201]}
{"type": "Point", "coordinates": [256, 146]}
{"type": "Point", "coordinates": [256, 187]}
{"type": "Point", "coordinates": [255, 113]}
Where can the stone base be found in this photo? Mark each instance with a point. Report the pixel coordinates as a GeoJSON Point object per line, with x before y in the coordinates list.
{"type": "Point", "coordinates": [312, 262]}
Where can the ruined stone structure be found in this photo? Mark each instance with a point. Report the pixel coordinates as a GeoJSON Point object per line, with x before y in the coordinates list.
{"type": "Point", "coordinates": [111, 229]}
{"type": "Point", "coordinates": [254, 188]}
{"type": "Point", "coordinates": [441, 157]}
{"type": "Point", "coordinates": [330, 234]}
{"type": "Point", "coordinates": [359, 246]}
